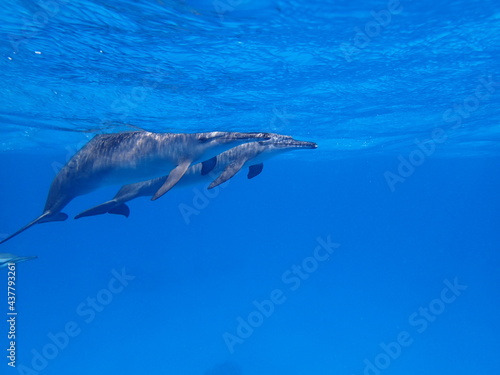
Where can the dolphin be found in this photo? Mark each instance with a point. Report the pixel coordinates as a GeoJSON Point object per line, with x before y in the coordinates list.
{"type": "Point", "coordinates": [6, 258]}
{"type": "Point", "coordinates": [123, 158]}
{"type": "Point", "coordinates": [227, 164]}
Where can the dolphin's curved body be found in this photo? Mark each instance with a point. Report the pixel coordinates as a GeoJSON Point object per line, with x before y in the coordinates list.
{"type": "Point", "coordinates": [129, 157]}
{"type": "Point", "coordinates": [225, 165]}
{"type": "Point", "coordinates": [6, 258]}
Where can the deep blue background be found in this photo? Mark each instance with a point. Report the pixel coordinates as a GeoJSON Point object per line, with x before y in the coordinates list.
{"type": "Point", "coordinates": [270, 66]}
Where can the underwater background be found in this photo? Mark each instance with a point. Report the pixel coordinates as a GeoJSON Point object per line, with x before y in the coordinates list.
{"type": "Point", "coordinates": [376, 253]}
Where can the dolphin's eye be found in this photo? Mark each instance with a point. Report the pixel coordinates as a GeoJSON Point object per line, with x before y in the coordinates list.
{"type": "Point", "coordinates": [204, 139]}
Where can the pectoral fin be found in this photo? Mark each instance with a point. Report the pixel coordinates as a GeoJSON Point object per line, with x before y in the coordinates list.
{"type": "Point", "coordinates": [174, 176]}
{"type": "Point", "coordinates": [254, 170]}
{"type": "Point", "coordinates": [229, 172]}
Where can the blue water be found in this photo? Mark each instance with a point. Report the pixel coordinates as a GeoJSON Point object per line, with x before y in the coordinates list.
{"type": "Point", "coordinates": [377, 253]}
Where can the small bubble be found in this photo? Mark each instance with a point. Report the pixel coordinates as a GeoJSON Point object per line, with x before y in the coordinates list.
{"type": "Point", "coordinates": [38, 52]}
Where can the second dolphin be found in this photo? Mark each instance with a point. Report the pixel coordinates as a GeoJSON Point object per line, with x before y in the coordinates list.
{"type": "Point", "coordinates": [226, 165]}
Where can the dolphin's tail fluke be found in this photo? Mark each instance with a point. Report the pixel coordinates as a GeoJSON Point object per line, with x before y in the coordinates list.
{"type": "Point", "coordinates": [111, 207]}
{"type": "Point", "coordinates": [46, 217]}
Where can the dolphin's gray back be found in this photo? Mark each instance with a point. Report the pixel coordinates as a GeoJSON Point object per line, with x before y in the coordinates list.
{"type": "Point", "coordinates": [129, 157]}
{"type": "Point", "coordinates": [102, 156]}
{"type": "Point", "coordinates": [130, 150]}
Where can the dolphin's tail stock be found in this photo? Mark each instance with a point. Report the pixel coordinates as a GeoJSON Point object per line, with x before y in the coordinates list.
{"type": "Point", "coordinates": [111, 207]}
{"type": "Point", "coordinates": [46, 217]}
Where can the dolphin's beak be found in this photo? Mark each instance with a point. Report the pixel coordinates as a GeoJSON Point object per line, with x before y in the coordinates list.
{"type": "Point", "coordinates": [301, 144]}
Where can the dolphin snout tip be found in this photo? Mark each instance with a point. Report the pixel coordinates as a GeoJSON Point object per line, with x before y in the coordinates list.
{"type": "Point", "coordinates": [311, 145]}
